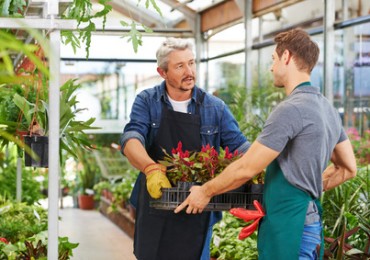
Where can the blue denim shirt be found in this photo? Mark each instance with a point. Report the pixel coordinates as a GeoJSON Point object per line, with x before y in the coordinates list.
{"type": "Point", "coordinates": [218, 126]}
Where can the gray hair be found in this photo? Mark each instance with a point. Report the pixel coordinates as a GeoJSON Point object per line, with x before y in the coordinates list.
{"type": "Point", "coordinates": [169, 45]}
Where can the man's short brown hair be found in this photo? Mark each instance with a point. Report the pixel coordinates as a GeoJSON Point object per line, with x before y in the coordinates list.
{"type": "Point", "coordinates": [302, 48]}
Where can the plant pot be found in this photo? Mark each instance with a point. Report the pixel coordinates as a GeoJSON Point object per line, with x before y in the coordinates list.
{"type": "Point", "coordinates": [40, 146]}
{"type": "Point", "coordinates": [256, 193]}
{"type": "Point", "coordinates": [86, 201]}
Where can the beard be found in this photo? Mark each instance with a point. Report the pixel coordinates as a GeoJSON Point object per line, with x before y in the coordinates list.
{"type": "Point", "coordinates": [187, 84]}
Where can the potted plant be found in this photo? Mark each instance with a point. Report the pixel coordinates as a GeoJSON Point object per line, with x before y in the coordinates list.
{"type": "Point", "coordinates": [88, 173]}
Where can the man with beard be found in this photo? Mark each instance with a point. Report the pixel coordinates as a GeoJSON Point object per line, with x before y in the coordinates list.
{"type": "Point", "coordinates": [176, 110]}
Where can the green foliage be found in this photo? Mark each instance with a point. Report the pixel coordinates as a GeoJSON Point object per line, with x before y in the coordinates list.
{"type": "Point", "coordinates": [12, 7]}
{"type": "Point", "coordinates": [121, 189]}
{"type": "Point", "coordinates": [35, 247]}
{"type": "Point", "coordinates": [100, 187]}
{"type": "Point", "coordinates": [347, 207]}
{"type": "Point", "coordinates": [82, 11]}
{"type": "Point", "coordinates": [119, 185]}
{"type": "Point", "coordinates": [10, 44]}
{"type": "Point", "coordinates": [89, 173]}
{"type": "Point", "coordinates": [72, 132]}
{"type": "Point", "coordinates": [19, 221]}
{"type": "Point", "coordinates": [225, 243]}
{"type": "Point", "coordinates": [153, 3]}
{"type": "Point", "coordinates": [31, 189]}
{"type": "Point", "coordinates": [134, 35]}
{"type": "Point", "coordinates": [250, 107]}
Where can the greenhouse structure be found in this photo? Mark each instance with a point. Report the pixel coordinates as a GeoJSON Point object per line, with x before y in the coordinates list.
{"type": "Point", "coordinates": [70, 71]}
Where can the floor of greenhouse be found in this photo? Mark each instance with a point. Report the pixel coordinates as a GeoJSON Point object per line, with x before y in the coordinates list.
{"type": "Point", "coordinates": [98, 237]}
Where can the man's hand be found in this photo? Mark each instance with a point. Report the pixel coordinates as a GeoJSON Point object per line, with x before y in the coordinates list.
{"type": "Point", "coordinates": [196, 201]}
{"type": "Point", "coordinates": [156, 179]}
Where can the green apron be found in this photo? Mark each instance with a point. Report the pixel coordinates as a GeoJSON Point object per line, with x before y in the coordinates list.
{"type": "Point", "coordinates": [280, 231]}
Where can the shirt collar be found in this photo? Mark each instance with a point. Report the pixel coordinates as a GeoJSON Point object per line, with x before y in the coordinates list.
{"type": "Point", "coordinates": [194, 97]}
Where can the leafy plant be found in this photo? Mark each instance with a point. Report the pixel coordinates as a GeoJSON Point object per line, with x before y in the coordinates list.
{"type": "Point", "coordinates": [100, 187]}
{"type": "Point", "coordinates": [72, 135]}
{"type": "Point", "coordinates": [35, 247]}
{"type": "Point", "coordinates": [88, 171]}
{"type": "Point", "coordinates": [19, 221]}
{"type": "Point", "coordinates": [31, 189]}
{"type": "Point", "coordinates": [82, 11]}
{"type": "Point", "coordinates": [120, 189]}
{"type": "Point", "coordinates": [225, 243]}
{"type": "Point", "coordinates": [346, 208]}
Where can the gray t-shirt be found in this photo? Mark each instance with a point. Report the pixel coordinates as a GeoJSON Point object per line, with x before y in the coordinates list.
{"type": "Point", "coordinates": [304, 129]}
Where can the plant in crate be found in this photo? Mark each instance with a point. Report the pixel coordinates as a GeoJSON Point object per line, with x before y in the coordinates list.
{"type": "Point", "coordinates": [185, 169]}
{"type": "Point", "coordinates": [198, 167]}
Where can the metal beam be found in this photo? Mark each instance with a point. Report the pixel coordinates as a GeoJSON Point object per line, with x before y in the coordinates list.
{"type": "Point", "coordinates": [248, 43]}
{"type": "Point", "coordinates": [37, 23]}
{"type": "Point", "coordinates": [139, 14]}
{"type": "Point", "coordinates": [329, 42]}
{"type": "Point", "coordinates": [190, 15]}
{"type": "Point", "coordinates": [220, 14]}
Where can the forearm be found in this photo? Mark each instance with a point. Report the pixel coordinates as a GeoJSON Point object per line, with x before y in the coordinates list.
{"type": "Point", "coordinates": [136, 154]}
{"type": "Point", "coordinates": [334, 176]}
{"type": "Point", "coordinates": [257, 158]}
{"type": "Point", "coordinates": [231, 178]}
{"type": "Point", "coordinates": [343, 167]}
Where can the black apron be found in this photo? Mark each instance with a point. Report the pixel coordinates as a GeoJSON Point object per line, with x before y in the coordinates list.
{"type": "Point", "coordinates": [162, 234]}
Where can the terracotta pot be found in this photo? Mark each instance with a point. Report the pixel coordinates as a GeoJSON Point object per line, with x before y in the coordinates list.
{"type": "Point", "coordinates": [86, 201]}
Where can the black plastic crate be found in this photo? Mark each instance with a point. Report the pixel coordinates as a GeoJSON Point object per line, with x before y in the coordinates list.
{"type": "Point", "coordinates": [242, 197]}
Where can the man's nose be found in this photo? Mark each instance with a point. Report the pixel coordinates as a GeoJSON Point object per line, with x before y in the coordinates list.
{"type": "Point", "coordinates": [189, 69]}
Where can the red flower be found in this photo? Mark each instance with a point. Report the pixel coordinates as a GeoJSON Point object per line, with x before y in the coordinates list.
{"type": "Point", "coordinates": [2, 239]}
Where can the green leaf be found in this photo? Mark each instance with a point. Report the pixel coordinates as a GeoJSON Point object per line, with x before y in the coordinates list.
{"type": "Point", "coordinates": [154, 4]}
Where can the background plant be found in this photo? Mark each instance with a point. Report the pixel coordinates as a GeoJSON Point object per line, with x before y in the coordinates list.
{"type": "Point", "coordinates": [19, 221]}
{"type": "Point", "coordinates": [347, 207]}
{"type": "Point", "coordinates": [225, 243]}
{"type": "Point", "coordinates": [360, 144]}
{"type": "Point", "coordinates": [25, 228]}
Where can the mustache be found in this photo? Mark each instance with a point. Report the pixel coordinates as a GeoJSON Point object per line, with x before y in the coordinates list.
{"type": "Point", "coordinates": [187, 78]}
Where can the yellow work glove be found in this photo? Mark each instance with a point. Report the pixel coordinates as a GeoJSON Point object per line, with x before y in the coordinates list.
{"type": "Point", "coordinates": [156, 179]}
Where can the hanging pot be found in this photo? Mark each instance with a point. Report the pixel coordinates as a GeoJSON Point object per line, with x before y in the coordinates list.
{"type": "Point", "coordinates": [39, 145]}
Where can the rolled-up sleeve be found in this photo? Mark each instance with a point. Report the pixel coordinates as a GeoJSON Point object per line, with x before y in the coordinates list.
{"type": "Point", "coordinates": [138, 126]}
{"type": "Point", "coordinates": [130, 135]}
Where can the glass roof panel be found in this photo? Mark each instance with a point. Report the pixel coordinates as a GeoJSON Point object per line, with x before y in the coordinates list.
{"type": "Point", "coordinates": [199, 5]}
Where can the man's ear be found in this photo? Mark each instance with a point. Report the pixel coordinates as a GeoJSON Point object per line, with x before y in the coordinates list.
{"type": "Point", "coordinates": [161, 72]}
{"type": "Point", "coordinates": [287, 55]}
